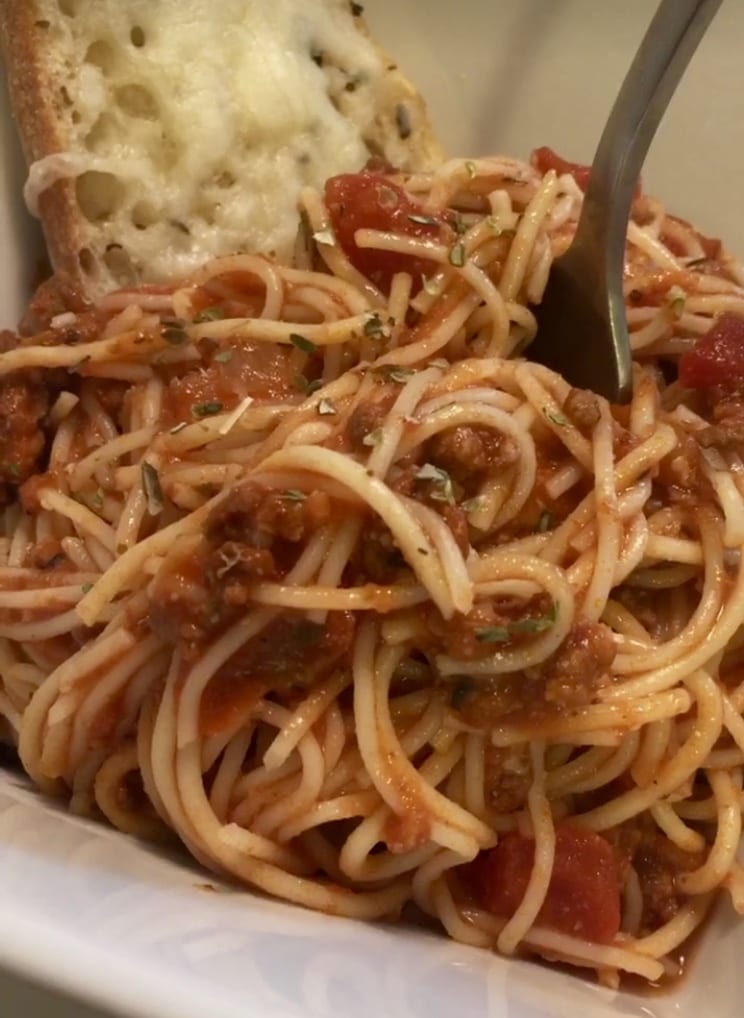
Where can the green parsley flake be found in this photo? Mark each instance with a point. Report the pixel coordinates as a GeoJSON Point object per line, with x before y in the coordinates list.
{"type": "Point", "coordinates": [86, 587]}
{"type": "Point", "coordinates": [493, 634]}
{"type": "Point", "coordinates": [474, 504]}
{"type": "Point", "coordinates": [302, 343]}
{"type": "Point", "coordinates": [441, 481]}
{"type": "Point", "coordinates": [224, 356]}
{"type": "Point", "coordinates": [152, 488]}
{"type": "Point", "coordinates": [559, 420]}
{"type": "Point", "coordinates": [174, 333]}
{"type": "Point", "coordinates": [213, 314]}
{"type": "Point", "coordinates": [545, 522]}
{"type": "Point", "coordinates": [531, 626]}
{"type": "Point", "coordinates": [293, 495]}
{"type": "Point", "coordinates": [373, 438]}
{"type": "Point", "coordinates": [457, 255]}
{"type": "Point", "coordinates": [677, 306]}
{"type": "Point", "coordinates": [374, 326]}
{"type": "Point", "coordinates": [394, 373]}
{"type": "Point", "coordinates": [208, 409]}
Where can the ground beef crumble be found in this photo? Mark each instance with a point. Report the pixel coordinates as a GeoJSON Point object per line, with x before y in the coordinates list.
{"type": "Point", "coordinates": [570, 679]}
{"type": "Point", "coordinates": [254, 534]}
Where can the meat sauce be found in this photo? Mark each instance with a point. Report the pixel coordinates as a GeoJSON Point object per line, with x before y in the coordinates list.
{"type": "Point", "coordinates": [290, 653]}
{"type": "Point", "coordinates": [26, 396]}
{"type": "Point", "coordinates": [57, 295]}
{"type": "Point", "coordinates": [204, 586]}
{"type": "Point", "coordinates": [25, 403]}
{"type": "Point", "coordinates": [569, 679]}
{"type": "Point", "coordinates": [254, 534]}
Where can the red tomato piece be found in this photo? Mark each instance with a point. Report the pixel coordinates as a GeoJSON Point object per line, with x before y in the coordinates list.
{"type": "Point", "coordinates": [717, 360]}
{"type": "Point", "coordinates": [583, 896]}
{"type": "Point", "coordinates": [544, 159]}
{"type": "Point", "coordinates": [369, 200]}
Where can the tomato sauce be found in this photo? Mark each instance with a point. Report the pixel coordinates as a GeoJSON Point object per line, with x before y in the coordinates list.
{"type": "Point", "coordinates": [292, 652]}
{"type": "Point", "coordinates": [260, 370]}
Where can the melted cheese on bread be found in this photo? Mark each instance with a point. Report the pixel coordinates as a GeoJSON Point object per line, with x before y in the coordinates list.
{"type": "Point", "coordinates": [186, 129]}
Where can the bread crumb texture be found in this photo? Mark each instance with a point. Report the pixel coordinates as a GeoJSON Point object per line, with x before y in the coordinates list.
{"type": "Point", "coordinates": [186, 129]}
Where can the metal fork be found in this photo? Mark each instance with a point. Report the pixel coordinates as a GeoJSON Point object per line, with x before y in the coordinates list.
{"type": "Point", "coordinates": [582, 329]}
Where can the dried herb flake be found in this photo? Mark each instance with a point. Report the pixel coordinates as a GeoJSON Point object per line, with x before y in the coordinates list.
{"type": "Point", "coordinates": [457, 255]}
{"type": "Point", "coordinates": [441, 481]}
{"type": "Point", "coordinates": [302, 343]}
{"type": "Point", "coordinates": [152, 488]}
{"type": "Point", "coordinates": [326, 408]}
{"type": "Point", "coordinates": [208, 409]}
{"type": "Point", "coordinates": [394, 373]}
{"type": "Point", "coordinates": [211, 314]}
{"type": "Point", "coordinates": [545, 522]}
{"type": "Point", "coordinates": [559, 420]}
{"type": "Point", "coordinates": [423, 220]}
{"type": "Point", "coordinates": [373, 438]}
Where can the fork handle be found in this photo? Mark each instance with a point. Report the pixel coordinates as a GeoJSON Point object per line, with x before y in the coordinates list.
{"type": "Point", "coordinates": [666, 49]}
{"type": "Point", "coordinates": [598, 249]}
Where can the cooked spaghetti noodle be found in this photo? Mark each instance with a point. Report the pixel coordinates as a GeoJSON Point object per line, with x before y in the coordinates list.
{"type": "Point", "coordinates": [308, 566]}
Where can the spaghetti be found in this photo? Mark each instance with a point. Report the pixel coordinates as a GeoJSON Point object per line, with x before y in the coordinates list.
{"type": "Point", "coordinates": [308, 566]}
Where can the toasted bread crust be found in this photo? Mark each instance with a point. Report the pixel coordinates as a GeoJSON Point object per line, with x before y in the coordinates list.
{"type": "Point", "coordinates": [77, 244]}
{"type": "Point", "coordinates": [35, 110]}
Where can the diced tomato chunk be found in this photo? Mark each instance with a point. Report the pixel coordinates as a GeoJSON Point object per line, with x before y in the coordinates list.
{"type": "Point", "coordinates": [544, 159]}
{"type": "Point", "coordinates": [717, 360]}
{"type": "Point", "coordinates": [583, 896]}
{"type": "Point", "coordinates": [368, 200]}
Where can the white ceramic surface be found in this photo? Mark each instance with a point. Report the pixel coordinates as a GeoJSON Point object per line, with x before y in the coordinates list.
{"type": "Point", "coordinates": [90, 912]}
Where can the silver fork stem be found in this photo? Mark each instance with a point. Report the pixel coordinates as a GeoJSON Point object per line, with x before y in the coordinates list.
{"type": "Point", "coordinates": [666, 49]}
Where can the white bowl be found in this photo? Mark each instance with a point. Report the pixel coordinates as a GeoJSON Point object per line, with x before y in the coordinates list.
{"type": "Point", "coordinates": [89, 911]}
